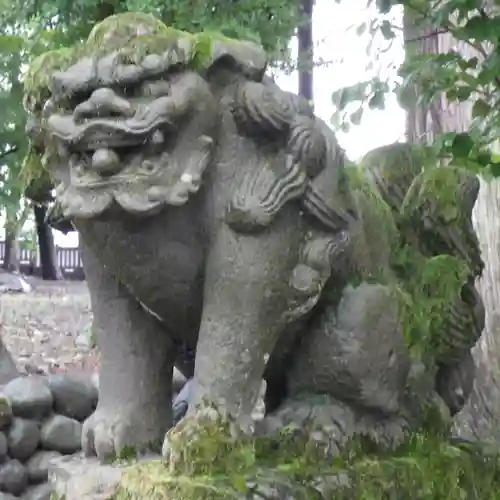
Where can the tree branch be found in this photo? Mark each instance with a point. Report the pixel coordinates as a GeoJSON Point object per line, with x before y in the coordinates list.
{"type": "Point", "coordinates": [450, 28]}
{"type": "Point", "coordinates": [427, 35]}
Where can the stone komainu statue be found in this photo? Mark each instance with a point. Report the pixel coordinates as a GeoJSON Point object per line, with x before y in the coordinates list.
{"type": "Point", "coordinates": [218, 216]}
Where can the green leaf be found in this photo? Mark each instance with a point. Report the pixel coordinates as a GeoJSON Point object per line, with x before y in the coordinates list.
{"type": "Point", "coordinates": [461, 145]}
{"type": "Point", "coordinates": [342, 97]}
{"type": "Point", "coordinates": [460, 94]}
{"type": "Point", "coordinates": [384, 6]}
{"type": "Point", "coordinates": [495, 169]}
{"type": "Point", "coordinates": [443, 142]}
{"type": "Point", "coordinates": [480, 109]}
{"type": "Point", "coordinates": [356, 116]}
{"type": "Point", "coordinates": [406, 96]}
{"type": "Point", "coordinates": [377, 100]}
{"type": "Point", "coordinates": [470, 63]}
{"type": "Point", "coordinates": [361, 29]}
{"type": "Point", "coordinates": [345, 127]}
{"type": "Point", "coordinates": [387, 31]}
{"type": "Point", "coordinates": [480, 28]}
{"type": "Point", "coordinates": [10, 43]}
{"type": "Point", "coordinates": [484, 158]}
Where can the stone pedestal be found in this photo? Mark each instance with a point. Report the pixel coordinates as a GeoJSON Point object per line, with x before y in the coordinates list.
{"type": "Point", "coordinates": [78, 478]}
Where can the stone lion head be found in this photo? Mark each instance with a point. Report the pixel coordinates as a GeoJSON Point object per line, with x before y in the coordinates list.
{"type": "Point", "coordinates": [131, 117]}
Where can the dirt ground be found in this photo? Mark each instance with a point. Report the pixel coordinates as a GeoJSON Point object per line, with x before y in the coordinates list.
{"type": "Point", "coordinates": [44, 329]}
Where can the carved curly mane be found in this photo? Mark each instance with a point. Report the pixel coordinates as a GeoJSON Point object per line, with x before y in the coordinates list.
{"type": "Point", "coordinates": [312, 161]}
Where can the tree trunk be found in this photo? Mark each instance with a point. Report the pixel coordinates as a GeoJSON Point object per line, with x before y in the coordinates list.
{"type": "Point", "coordinates": [12, 256]}
{"type": "Point", "coordinates": [306, 51]}
{"type": "Point", "coordinates": [8, 369]}
{"type": "Point", "coordinates": [14, 223]}
{"type": "Point", "coordinates": [480, 418]}
{"type": "Point", "coordinates": [48, 257]}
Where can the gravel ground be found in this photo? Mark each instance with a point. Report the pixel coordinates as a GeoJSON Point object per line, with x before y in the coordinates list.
{"type": "Point", "coordinates": [44, 329]}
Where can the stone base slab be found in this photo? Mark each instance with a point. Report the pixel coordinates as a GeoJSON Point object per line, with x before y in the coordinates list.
{"type": "Point", "coordinates": [76, 477]}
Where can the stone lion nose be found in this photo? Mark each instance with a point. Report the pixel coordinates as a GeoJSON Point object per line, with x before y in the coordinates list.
{"type": "Point", "coordinates": [106, 162]}
{"type": "Point", "coordinates": [104, 102]}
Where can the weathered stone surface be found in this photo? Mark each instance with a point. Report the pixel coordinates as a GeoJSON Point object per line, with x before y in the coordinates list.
{"type": "Point", "coordinates": [23, 438]}
{"type": "Point", "coordinates": [74, 396]}
{"type": "Point", "coordinates": [79, 478]}
{"type": "Point", "coordinates": [7, 496]}
{"type": "Point", "coordinates": [3, 447]}
{"type": "Point", "coordinates": [178, 381]}
{"type": "Point", "coordinates": [38, 465]}
{"type": "Point", "coordinates": [29, 397]}
{"type": "Point", "coordinates": [62, 434]}
{"type": "Point", "coordinates": [6, 415]}
{"type": "Point", "coordinates": [38, 492]}
{"type": "Point", "coordinates": [13, 477]}
{"type": "Point", "coordinates": [95, 380]}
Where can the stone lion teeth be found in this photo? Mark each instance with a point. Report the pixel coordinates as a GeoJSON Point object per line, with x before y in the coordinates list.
{"type": "Point", "coordinates": [157, 137]}
{"type": "Point", "coordinates": [205, 139]}
{"type": "Point", "coordinates": [187, 178]}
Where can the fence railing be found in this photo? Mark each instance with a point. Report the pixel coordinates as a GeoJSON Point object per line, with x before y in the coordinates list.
{"type": "Point", "coordinates": [69, 261]}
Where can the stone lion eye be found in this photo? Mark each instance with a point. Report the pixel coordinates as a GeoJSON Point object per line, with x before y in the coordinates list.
{"type": "Point", "coordinates": [148, 165]}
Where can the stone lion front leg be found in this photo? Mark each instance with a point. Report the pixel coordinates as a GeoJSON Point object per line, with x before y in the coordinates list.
{"type": "Point", "coordinates": [135, 397]}
{"type": "Point", "coordinates": [245, 305]}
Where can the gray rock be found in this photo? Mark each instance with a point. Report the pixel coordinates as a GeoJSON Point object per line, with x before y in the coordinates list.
{"type": "Point", "coordinates": [178, 381]}
{"type": "Point", "coordinates": [38, 465]}
{"type": "Point", "coordinates": [39, 492]}
{"type": "Point", "coordinates": [6, 414]}
{"type": "Point", "coordinates": [62, 434]}
{"type": "Point", "coordinates": [30, 397]}
{"type": "Point", "coordinates": [23, 438]}
{"type": "Point", "coordinates": [13, 477]}
{"type": "Point", "coordinates": [3, 447]}
{"type": "Point", "coordinates": [79, 478]}
{"type": "Point", "coordinates": [74, 396]}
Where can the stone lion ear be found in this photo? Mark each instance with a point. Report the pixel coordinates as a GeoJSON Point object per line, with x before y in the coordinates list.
{"type": "Point", "coordinates": [235, 56]}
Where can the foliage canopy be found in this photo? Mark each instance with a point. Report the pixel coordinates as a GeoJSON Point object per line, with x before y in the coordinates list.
{"type": "Point", "coordinates": [469, 72]}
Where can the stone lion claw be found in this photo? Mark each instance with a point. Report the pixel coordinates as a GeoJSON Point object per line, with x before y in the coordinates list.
{"type": "Point", "coordinates": [109, 434]}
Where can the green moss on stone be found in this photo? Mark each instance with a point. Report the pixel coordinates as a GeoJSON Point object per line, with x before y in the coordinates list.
{"type": "Point", "coordinates": [436, 191]}
{"type": "Point", "coordinates": [31, 168]}
{"type": "Point", "coordinates": [219, 464]}
{"type": "Point", "coordinates": [39, 75]}
{"type": "Point", "coordinates": [5, 408]}
{"type": "Point", "coordinates": [136, 35]}
{"type": "Point", "coordinates": [396, 187]}
{"type": "Point", "coordinates": [56, 496]}
{"type": "Point", "coordinates": [377, 236]}
{"type": "Point", "coordinates": [124, 27]}
{"type": "Point", "coordinates": [394, 167]}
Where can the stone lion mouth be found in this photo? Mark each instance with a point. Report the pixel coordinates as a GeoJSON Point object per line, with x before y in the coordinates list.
{"type": "Point", "coordinates": [106, 145]}
{"type": "Point", "coordinates": [100, 133]}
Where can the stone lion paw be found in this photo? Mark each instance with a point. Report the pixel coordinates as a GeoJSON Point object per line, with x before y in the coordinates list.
{"type": "Point", "coordinates": [110, 434]}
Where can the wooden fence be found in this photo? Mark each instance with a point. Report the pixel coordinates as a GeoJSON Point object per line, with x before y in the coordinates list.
{"type": "Point", "coordinates": [68, 259]}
